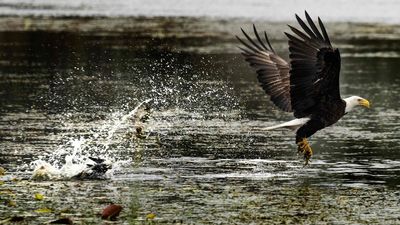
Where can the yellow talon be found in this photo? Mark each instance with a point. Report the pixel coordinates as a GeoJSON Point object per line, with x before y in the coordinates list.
{"type": "Point", "coordinates": [304, 147]}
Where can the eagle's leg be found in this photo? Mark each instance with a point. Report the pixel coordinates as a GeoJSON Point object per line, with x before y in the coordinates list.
{"type": "Point", "coordinates": [304, 147]}
{"type": "Point", "coordinates": [303, 133]}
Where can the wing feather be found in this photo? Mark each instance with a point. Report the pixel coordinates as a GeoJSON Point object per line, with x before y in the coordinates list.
{"type": "Point", "coordinates": [326, 38]}
{"type": "Point", "coordinates": [272, 70]}
{"type": "Point", "coordinates": [305, 27]}
{"type": "Point", "coordinates": [259, 39]}
{"type": "Point", "coordinates": [251, 41]}
{"type": "Point", "coordinates": [315, 68]}
{"type": "Point", "coordinates": [313, 27]}
{"type": "Point", "coordinates": [269, 44]}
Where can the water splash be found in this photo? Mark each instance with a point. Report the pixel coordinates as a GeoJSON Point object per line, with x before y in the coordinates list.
{"type": "Point", "coordinates": [73, 157]}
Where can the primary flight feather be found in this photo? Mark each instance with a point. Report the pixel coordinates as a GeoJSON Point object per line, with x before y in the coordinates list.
{"type": "Point", "coordinates": [308, 86]}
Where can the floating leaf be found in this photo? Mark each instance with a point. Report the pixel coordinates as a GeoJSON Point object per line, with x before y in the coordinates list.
{"type": "Point", "coordinates": [11, 203]}
{"type": "Point", "coordinates": [151, 216]}
{"type": "Point", "coordinates": [111, 212]}
{"type": "Point", "coordinates": [39, 196]}
{"type": "Point", "coordinates": [2, 171]}
{"type": "Point", "coordinates": [43, 210]}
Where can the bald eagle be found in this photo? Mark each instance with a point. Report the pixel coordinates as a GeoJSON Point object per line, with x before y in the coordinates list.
{"type": "Point", "coordinates": [308, 86]}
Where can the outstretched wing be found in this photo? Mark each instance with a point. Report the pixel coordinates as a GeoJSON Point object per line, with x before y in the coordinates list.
{"type": "Point", "coordinates": [315, 68]}
{"type": "Point", "coordinates": [272, 70]}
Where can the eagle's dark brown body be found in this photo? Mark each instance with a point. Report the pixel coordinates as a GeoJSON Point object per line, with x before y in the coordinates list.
{"type": "Point", "coordinates": [326, 114]}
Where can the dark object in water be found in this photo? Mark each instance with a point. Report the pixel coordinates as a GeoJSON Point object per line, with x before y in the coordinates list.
{"type": "Point", "coordinates": [62, 221]}
{"type": "Point", "coordinates": [17, 219]}
{"type": "Point", "coordinates": [94, 171]}
{"type": "Point", "coordinates": [111, 212]}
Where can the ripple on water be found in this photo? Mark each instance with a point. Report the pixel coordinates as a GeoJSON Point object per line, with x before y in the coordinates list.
{"type": "Point", "coordinates": [203, 156]}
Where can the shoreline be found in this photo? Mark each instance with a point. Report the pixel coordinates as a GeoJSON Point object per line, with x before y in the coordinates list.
{"type": "Point", "coordinates": [184, 26]}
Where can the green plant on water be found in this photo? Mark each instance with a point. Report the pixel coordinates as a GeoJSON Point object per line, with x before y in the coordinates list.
{"type": "Point", "coordinates": [134, 206]}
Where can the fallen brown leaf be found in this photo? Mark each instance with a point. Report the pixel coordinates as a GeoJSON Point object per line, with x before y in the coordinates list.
{"type": "Point", "coordinates": [111, 212]}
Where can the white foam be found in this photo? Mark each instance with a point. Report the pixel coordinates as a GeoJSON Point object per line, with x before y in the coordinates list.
{"type": "Point", "coordinates": [71, 158]}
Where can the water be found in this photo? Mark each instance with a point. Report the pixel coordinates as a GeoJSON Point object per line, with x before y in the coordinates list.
{"type": "Point", "coordinates": [382, 11]}
{"type": "Point", "coordinates": [202, 157]}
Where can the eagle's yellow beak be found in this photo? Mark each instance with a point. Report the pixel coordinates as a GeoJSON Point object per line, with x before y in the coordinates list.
{"type": "Point", "coordinates": [364, 102]}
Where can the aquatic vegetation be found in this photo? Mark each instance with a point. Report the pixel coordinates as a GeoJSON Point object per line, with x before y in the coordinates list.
{"type": "Point", "coordinates": [38, 196]}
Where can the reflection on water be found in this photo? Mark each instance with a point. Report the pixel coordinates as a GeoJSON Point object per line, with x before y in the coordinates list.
{"type": "Point", "coordinates": [203, 149]}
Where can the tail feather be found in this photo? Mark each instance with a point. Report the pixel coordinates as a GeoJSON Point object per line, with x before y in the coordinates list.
{"type": "Point", "coordinates": [292, 125]}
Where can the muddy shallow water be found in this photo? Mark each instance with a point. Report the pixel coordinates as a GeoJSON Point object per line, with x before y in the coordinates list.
{"type": "Point", "coordinates": [202, 157]}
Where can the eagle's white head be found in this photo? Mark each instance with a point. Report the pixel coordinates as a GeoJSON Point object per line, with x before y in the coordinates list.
{"type": "Point", "coordinates": [354, 101]}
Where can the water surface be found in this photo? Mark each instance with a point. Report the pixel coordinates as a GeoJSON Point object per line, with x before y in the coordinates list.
{"type": "Point", "coordinates": [203, 157]}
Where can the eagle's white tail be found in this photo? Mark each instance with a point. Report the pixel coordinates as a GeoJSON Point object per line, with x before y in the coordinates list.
{"type": "Point", "coordinates": [293, 124]}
